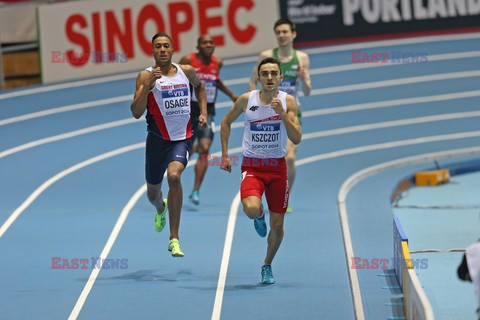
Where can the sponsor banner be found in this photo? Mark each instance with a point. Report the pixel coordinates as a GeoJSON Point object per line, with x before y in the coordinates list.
{"type": "Point", "coordinates": [324, 21]}
{"type": "Point", "coordinates": [92, 38]}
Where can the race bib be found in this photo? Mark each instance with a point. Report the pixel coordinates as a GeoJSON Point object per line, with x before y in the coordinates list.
{"type": "Point", "coordinates": [175, 100]}
{"type": "Point", "coordinates": [265, 136]}
{"type": "Point", "coordinates": [211, 90]}
{"type": "Point", "coordinates": [289, 86]}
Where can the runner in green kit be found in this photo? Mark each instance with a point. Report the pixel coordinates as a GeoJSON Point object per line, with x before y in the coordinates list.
{"type": "Point", "coordinates": [295, 66]}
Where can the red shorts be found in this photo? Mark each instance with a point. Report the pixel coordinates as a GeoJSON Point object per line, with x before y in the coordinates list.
{"type": "Point", "coordinates": [269, 176]}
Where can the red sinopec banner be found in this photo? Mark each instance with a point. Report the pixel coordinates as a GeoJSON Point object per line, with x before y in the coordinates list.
{"type": "Point", "coordinates": [91, 38]}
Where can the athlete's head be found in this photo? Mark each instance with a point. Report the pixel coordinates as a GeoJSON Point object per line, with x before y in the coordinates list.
{"type": "Point", "coordinates": [205, 45]}
{"type": "Point", "coordinates": [269, 73]}
{"type": "Point", "coordinates": [162, 49]}
{"type": "Point", "coordinates": [285, 32]}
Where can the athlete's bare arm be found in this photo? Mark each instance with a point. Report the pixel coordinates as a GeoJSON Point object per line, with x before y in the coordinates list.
{"type": "Point", "coordinates": [185, 60]}
{"type": "Point", "coordinates": [304, 72]}
{"type": "Point", "coordinates": [289, 118]}
{"type": "Point", "coordinates": [200, 92]}
{"type": "Point", "coordinates": [252, 84]}
{"type": "Point", "coordinates": [232, 114]}
{"type": "Point", "coordinates": [222, 87]}
{"type": "Point", "coordinates": [145, 82]}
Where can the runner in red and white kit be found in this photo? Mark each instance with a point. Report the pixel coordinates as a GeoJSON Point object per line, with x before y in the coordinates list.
{"type": "Point", "coordinates": [163, 90]}
{"type": "Point", "coordinates": [270, 118]}
{"type": "Point", "coordinates": [207, 67]}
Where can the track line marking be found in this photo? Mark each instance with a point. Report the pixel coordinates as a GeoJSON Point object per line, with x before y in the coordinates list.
{"type": "Point", "coordinates": [314, 51]}
{"type": "Point", "coordinates": [224, 104]}
{"type": "Point", "coordinates": [356, 294]}
{"type": "Point", "coordinates": [351, 181]}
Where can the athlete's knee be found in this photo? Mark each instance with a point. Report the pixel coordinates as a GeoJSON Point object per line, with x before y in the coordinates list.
{"type": "Point", "coordinates": [153, 194]}
{"type": "Point", "coordinates": [251, 210]}
{"type": "Point", "coordinates": [204, 147]}
{"type": "Point", "coordinates": [276, 225]}
{"type": "Point", "coordinates": [290, 158]}
{"type": "Point", "coordinates": [173, 177]}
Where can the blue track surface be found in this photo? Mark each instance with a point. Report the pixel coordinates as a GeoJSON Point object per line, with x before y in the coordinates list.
{"type": "Point", "coordinates": [348, 123]}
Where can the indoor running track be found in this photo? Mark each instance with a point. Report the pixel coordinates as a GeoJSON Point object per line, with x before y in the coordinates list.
{"type": "Point", "coordinates": [72, 186]}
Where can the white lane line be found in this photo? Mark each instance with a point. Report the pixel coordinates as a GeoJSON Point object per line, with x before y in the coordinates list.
{"type": "Point", "coordinates": [356, 295]}
{"type": "Point", "coordinates": [106, 250]}
{"type": "Point", "coordinates": [112, 153]}
{"type": "Point", "coordinates": [313, 51]}
{"type": "Point", "coordinates": [227, 249]}
{"type": "Point", "coordinates": [239, 124]}
{"type": "Point", "coordinates": [306, 136]}
{"type": "Point", "coordinates": [329, 90]}
{"type": "Point", "coordinates": [44, 186]}
{"type": "Point", "coordinates": [359, 66]}
{"type": "Point", "coordinates": [67, 85]}
{"type": "Point", "coordinates": [72, 107]}
{"type": "Point", "coordinates": [396, 82]}
{"type": "Point", "coordinates": [66, 135]}
{"type": "Point", "coordinates": [351, 181]}
{"type": "Point", "coordinates": [113, 237]}
{"type": "Point", "coordinates": [394, 123]}
{"type": "Point", "coordinates": [394, 42]}
{"type": "Point", "coordinates": [393, 103]}
{"type": "Point", "coordinates": [312, 135]}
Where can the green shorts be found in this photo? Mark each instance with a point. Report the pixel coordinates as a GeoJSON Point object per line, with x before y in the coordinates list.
{"type": "Point", "coordinates": [299, 116]}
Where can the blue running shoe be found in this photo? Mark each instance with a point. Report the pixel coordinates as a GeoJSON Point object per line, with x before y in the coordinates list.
{"type": "Point", "coordinates": [267, 275]}
{"type": "Point", "coordinates": [260, 225]}
{"type": "Point", "coordinates": [195, 197]}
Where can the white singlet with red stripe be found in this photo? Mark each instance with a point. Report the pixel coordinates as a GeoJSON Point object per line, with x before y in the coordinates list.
{"type": "Point", "coordinates": [265, 135]}
{"type": "Point", "coordinates": [168, 107]}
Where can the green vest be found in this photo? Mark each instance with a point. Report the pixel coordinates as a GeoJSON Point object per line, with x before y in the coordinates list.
{"type": "Point", "coordinates": [290, 73]}
{"type": "Point", "coordinates": [290, 76]}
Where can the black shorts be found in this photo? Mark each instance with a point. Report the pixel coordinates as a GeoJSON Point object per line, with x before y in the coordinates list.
{"type": "Point", "coordinates": [205, 132]}
{"type": "Point", "coordinates": [159, 153]}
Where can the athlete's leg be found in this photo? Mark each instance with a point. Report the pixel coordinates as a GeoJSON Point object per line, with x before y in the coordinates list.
{"type": "Point", "coordinates": [252, 206]}
{"type": "Point", "coordinates": [175, 196]}
{"type": "Point", "coordinates": [276, 193]}
{"type": "Point", "coordinates": [251, 192]}
{"type": "Point", "coordinates": [275, 236]}
{"type": "Point", "coordinates": [201, 166]}
{"type": "Point", "coordinates": [291, 168]}
{"type": "Point", "coordinates": [155, 166]}
{"type": "Point", "coordinates": [154, 195]}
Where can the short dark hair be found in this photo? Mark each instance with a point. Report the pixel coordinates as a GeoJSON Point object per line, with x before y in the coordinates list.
{"type": "Point", "coordinates": [161, 34]}
{"type": "Point", "coordinates": [200, 38]}
{"type": "Point", "coordinates": [284, 21]}
{"type": "Point", "coordinates": [269, 60]}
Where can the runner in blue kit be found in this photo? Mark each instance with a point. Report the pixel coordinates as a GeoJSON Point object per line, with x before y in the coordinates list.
{"type": "Point", "coordinates": [270, 120]}
{"type": "Point", "coordinates": [163, 90]}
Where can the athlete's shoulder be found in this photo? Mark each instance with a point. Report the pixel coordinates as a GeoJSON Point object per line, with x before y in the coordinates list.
{"type": "Point", "coordinates": [302, 54]}
{"type": "Point", "coordinates": [217, 61]}
{"type": "Point", "coordinates": [187, 59]}
{"type": "Point", "coordinates": [144, 73]}
{"type": "Point", "coordinates": [186, 68]}
{"type": "Point", "coordinates": [266, 54]}
{"type": "Point", "coordinates": [245, 95]}
{"type": "Point", "coordinates": [289, 97]}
